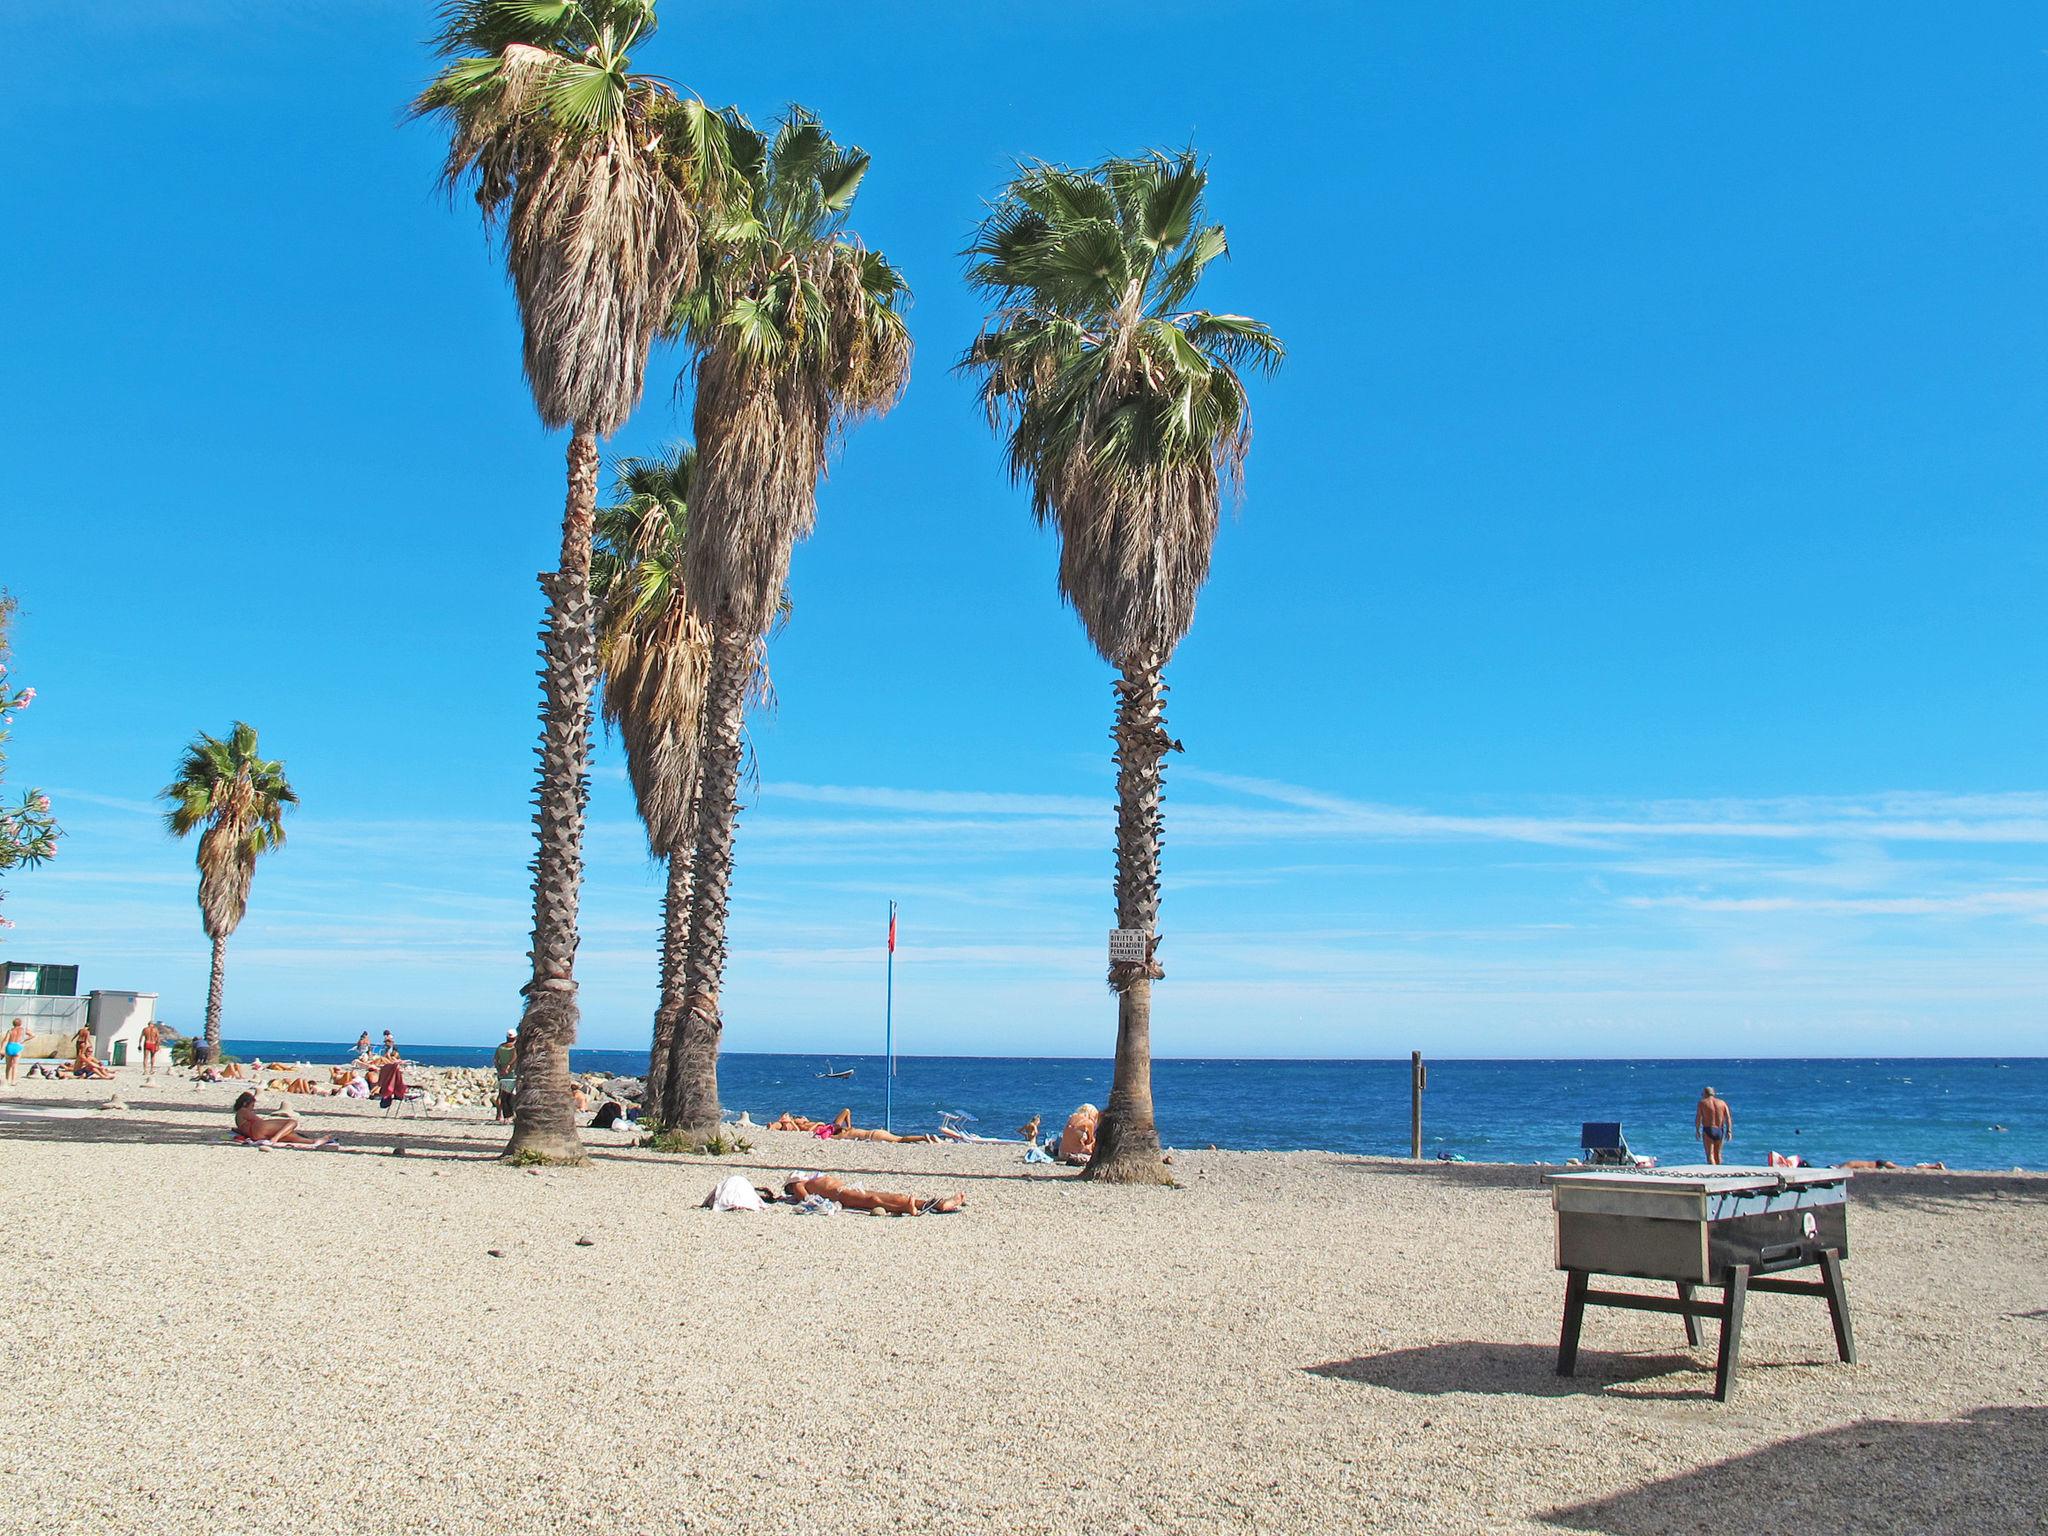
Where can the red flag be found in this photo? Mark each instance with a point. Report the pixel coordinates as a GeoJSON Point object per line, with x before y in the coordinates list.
{"type": "Point", "coordinates": [892, 928]}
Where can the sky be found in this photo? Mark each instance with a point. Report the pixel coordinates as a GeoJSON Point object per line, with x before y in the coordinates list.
{"type": "Point", "coordinates": [1629, 641]}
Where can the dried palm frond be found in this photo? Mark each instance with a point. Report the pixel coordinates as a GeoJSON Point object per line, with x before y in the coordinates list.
{"type": "Point", "coordinates": [594, 176]}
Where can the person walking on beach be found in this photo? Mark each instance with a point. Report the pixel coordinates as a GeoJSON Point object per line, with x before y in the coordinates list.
{"type": "Point", "coordinates": [506, 1060]}
{"type": "Point", "coordinates": [1713, 1124]}
{"type": "Point", "coordinates": [152, 1042]}
{"type": "Point", "coordinates": [18, 1037]}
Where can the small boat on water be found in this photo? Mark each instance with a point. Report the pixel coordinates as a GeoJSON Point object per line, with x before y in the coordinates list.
{"type": "Point", "coordinates": [828, 1072]}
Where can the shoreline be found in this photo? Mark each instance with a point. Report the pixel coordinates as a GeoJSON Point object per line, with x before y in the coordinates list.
{"type": "Point", "coordinates": [1466, 1142]}
{"type": "Point", "coordinates": [464, 1095]}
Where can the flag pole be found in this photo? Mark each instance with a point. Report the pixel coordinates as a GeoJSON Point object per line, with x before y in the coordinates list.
{"type": "Point", "coordinates": [889, 1033]}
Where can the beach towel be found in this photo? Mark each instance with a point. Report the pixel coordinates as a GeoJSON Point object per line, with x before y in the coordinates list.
{"type": "Point", "coordinates": [1035, 1154]}
{"type": "Point", "coordinates": [736, 1194]}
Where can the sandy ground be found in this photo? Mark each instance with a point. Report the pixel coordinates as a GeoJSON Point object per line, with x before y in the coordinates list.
{"type": "Point", "coordinates": [208, 1338]}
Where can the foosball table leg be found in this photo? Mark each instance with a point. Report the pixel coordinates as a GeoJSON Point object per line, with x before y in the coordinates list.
{"type": "Point", "coordinates": [1735, 1293]}
{"type": "Point", "coordinates": [1838, 1303]}
{"type": "Point", "coordinates": [1692, 1324]}
{"type": "Point", "coordinates": [1574, 1320]}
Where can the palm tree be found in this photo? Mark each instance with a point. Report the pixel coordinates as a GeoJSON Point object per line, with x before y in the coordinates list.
{"type": "Point", "coordinates": [796, 331]}
{"type": "Point", "coordinates": [1126, 415]}
{"type": "Point", "coordinates": [594, 175]}
{"type": "Point", "coordinates": [654, 651]}
{"type": "Point", "coordinates": [236, 801]}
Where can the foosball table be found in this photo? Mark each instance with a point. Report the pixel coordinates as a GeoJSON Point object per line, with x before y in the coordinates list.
{"type": "Point", "coordinates": [1738, 1230]}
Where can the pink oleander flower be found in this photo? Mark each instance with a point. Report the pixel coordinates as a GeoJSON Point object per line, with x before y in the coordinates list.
{"type": "Point", "coordinates": [6, 922]}
{"type": "Point", "coordinates": [28, 697]}
{"type": "Point", "coordinates": [42, 802]}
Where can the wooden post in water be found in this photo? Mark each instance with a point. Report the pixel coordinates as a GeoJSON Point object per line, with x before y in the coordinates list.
{"type": "Point", "coordinates": [1418, 1079]}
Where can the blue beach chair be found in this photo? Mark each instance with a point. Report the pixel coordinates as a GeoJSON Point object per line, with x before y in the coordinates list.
{"type": "Point", "coordinates": [1604, 1145]}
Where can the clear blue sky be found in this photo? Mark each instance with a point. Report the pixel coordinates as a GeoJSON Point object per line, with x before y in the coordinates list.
{"type": "Point", "coordinates": [1631, 641]}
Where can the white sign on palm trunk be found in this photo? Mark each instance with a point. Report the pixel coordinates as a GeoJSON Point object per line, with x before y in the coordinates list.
{"type": "Point", "coordinates": [1127, 946]}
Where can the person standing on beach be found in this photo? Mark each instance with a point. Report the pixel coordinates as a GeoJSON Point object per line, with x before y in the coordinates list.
{"type": "Point", "coordinates": [1713, 1124]}
{"type": "Point", "coordinates": [152, 1042]}
{"type": "Point", "coordinates": [506, 1060]}
{"type": "Point", "coordinates": [390, 1047]}
{"type": "Point", "coordinates": [18, 1037]}
{"type": "Point", "coordinates": [362, 1045]}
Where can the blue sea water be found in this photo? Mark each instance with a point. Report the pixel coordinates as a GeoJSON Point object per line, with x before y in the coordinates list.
{"type": "Point", "coordinates": [1967, 1113]}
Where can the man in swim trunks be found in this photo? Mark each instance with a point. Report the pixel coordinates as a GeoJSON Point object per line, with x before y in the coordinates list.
{"type": "Point", "coordinates": [152, 1042]}
{"type": "Point", "coordinates": [18, 1036]}
{"type": "Point", "coordinates": [1713, 1124]}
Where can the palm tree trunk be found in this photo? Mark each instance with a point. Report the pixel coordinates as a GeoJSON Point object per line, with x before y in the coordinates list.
{"type": "Point", "coordinates": [691, 1097]}
{"type": "Point", "coordinates": [544, 1122]}
{"type": "Point", "coordinates": [1127, 1141]}
{"type": "Point", "coordinates": [216, 985]}
{"type": "Point", "coordinates": [675, 957]}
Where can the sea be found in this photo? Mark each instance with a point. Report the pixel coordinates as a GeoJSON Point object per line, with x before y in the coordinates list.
{"type": "Point", "coordinates": [1967, 1113]}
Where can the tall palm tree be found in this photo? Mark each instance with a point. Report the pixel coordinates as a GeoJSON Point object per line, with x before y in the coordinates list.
{"type": "Point", "coordinates": [655, 651]}
{"type": "Point", "coordinates": [796, 331]}
{"type": "Point", "coordinates": [1126, 415]}
{"type": "Point", "coordinates": [236, 800]}
{"type": "Point", "coordinates": [594, 175]}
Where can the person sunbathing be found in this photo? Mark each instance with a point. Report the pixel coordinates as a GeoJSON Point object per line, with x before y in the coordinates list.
{"type": "Point", "coordinates": [843, 1129]}
{"type": "Point", "coordinates": [273, 1130]}
{"type": "Point", "coordinates": [854, 1198]}
{"type": "Point", "coordinates": [1077, 1141]}
{"type": "Point", "coordinates": [790, 1122]}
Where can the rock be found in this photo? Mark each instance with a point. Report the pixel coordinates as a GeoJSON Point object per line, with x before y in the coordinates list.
{"type": "Point", "coordinates": [496, 1253]}
{"type": "Point", "coordinates": [586, 1242]}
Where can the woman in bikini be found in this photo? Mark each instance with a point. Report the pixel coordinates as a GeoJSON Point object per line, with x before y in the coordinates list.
{"type": "Point", "coordinates": [273, 1130]}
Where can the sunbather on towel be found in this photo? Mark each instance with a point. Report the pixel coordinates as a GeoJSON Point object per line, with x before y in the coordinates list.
{"type": "Point", "coordinates": [278, 1130]}
{"type": "Point", "coordinates": [790, 1122]}
{"type": "Point", "coordinates": [843, 1129]}
{"type": "Point", "coordinates": [856, 1199]}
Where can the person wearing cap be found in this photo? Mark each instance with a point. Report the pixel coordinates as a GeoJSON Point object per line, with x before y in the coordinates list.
{"type": "Point", "coordinates": [506, 1060]}
{"type": "Point", "coordinates": [1713, 1124]}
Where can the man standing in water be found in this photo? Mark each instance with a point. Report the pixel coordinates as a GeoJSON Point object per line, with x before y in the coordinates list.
{"type": "Point", "coordinates": [1712, 1123]}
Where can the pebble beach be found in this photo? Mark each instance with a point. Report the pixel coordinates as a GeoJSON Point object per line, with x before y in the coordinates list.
{"type": "Point", "coordinates": [214, 1338]}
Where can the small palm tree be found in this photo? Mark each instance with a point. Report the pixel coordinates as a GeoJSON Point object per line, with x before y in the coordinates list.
{"type": "Point", "coordinates": [796, 331]}
{"type": "Point", "coordinates": [1126, 415]}
{"type": "Point", "coordinates": [236, 800]}
{"type": "Point", "coordinates": [594, 174]}
{"type": "Point", "coordinates": [655, 651]}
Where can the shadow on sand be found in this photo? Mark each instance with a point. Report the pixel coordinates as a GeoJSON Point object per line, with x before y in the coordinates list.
{"type": "Point", "coordinates": [1980, 1474]}
{"type": "Point", "coordinates": [1521, 1370]}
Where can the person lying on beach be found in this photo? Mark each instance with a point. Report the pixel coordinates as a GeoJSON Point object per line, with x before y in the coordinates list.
{"type": "Point", "coordinates": [1077, 1141]}
{"type": "Point", "coordinates": [843, 1129]}
{"type": "Point", "coordinates": [854, 1198]}
{"type": "Point", "coordinates": [790, 1122]}
{"type": "Point", "coordinates": [273, 1130]}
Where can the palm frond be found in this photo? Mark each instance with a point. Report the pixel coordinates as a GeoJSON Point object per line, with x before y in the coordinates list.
{"type": "Point", "coordinates": [1123, 412]}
